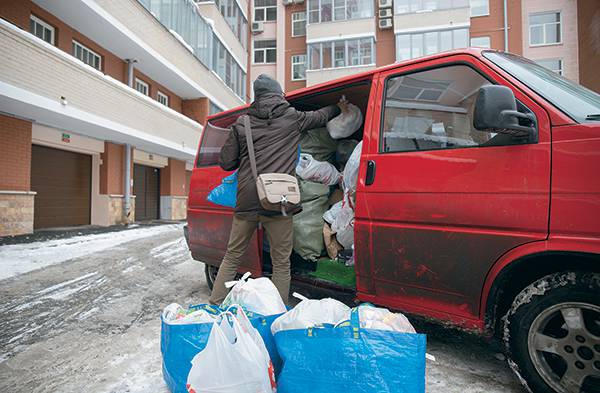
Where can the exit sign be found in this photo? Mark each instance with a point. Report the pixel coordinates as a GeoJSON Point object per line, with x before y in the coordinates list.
{"type": "Point", "coordinates": [66, 138]}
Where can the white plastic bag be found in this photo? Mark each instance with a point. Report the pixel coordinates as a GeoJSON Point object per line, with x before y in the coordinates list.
{"type": "Point", "coordinates": [350, 176]}
{"type": "Point", "coordinates": [309, 313]}
{"type": "Point", "coordinates": [371, 317]}
{"type": "Point", "coordinates": [317, 171]}
{"type": "Point", "coordinates": [347, 122]}
{"type": "Point", "coordinates": [332, 213]}
{"type": "Point", "coordinates": [343, 224]}
{"type": "Point", "coordinates": [232, 362]}
{"type": "Point", "coordinates": [257, 295]}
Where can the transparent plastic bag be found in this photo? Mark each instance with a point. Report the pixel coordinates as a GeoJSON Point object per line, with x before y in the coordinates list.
{"type": "Point", "coordinates": [333, 211]}
{"type": "Point", "coordinates": [310, 313]}
{"type": "Point", "coordinates": [257, 295]}
{"type": "Point", "coordinates": [347, 122]}
{"type": "Point", "coordinates": [343, 224]}
{"type": "Point", "coordinates": [383, 319]}
{"type": "Point", "coordinates": [317, 171]}
{"type": "Point", "coordinates": [350, 176]}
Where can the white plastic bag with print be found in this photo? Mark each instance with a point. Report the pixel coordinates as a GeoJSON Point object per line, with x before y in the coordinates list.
{"type": "Point", "coordinates": [343, 224]}
{"type": "Point", "coordinates": [347, 122]}
{"type": "Point", "coordinates": [310, 313]}
{"type": "Point", "coordinates": [257, 295]}
{"type": "Point", "coordinates": [372, 317]}
{"type": "Point", "coordinates": [332, 213]}
{"type": "Point", "coordinates": [317, 171]}
{"type": "Point", "coordinates": [350, 176]}
{"type": "Point", "coordinates": [232, 361]}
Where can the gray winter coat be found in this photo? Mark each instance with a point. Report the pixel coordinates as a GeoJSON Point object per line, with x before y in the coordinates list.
{"type": "Point", "coordinates": [276, 128]}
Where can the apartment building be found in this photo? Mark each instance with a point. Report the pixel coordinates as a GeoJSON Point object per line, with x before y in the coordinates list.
{"type": "Point", "coordinates": [304, 42]}
{"type": "Point", "coordinates": [102, 104]}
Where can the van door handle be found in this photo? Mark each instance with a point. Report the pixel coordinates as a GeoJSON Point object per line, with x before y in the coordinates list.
{"type": "Point", "coordinates": [370, 173]}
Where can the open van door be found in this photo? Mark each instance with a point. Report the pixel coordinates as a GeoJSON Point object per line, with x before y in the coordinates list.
{"type": "Point", "coordinates": [209, 224]}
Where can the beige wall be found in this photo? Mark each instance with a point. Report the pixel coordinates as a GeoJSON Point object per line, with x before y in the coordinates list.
{"type": "Point", "coordinates": [568, 49]}
{"type": "Point", "coordinates": [314, 77]}
{"type": "Point", "coordinates": [328, 31]}
{"type": "Point", "coordinates": [34, 66]}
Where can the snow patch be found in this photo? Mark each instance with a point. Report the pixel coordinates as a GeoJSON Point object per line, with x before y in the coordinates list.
{"type": "Point", "coordinates": [86, 314]}
{"type": "Point", "coordinates": [23, 258]}
{"type": "Point", "coordinates": [180, 39]}
{"type": "Point", "coordinates": [65, 283]}
{"type": "Point", "coordinates": [169, 251]}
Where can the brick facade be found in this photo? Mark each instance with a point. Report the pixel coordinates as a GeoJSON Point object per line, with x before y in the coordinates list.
{"type": "Point", "coordinates": [197, 109]}
{"type": "Point", "coordinates": [15, 154]}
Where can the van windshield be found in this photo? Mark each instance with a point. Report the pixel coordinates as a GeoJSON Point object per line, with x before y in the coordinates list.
{"type": "Point", "coordinates": [581, 104]}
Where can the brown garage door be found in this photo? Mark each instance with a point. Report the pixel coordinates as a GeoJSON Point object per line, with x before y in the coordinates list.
{"type": "Point", "coordinates": [63, 181]}
{"type": "Point", "coordinates": [146, 191]}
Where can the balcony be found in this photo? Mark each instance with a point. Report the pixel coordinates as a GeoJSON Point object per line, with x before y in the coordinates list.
{"type": "Point", "coordinates": [35, 75]}
{"type": "Point", "coordinates": [433, 19]}
{"type": "Point", "coordinates": [329, 31]}
{"type": "Point", "coordinates": [314, 77]}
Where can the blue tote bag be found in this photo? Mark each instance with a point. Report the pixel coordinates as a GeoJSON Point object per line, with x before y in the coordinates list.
{"type": "Point", "coordinates": [180, 343]}
{"type": "Point", "coordinates": [225, 194]}
{"type": "Point", "coordinates": [349, 359]}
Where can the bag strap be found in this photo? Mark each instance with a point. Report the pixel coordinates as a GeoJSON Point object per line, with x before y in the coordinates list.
{"type": "Point", "coordinates": [250, 144]}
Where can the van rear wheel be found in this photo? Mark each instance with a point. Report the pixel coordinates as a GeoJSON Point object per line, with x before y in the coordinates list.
{"type": "Point", "coordinates": [552, 333]}
{"type": "Point", "coordinates": [211, 275]}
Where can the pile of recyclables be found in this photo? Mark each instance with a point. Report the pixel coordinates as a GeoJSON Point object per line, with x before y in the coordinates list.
{"type": "Point", "coordinates": [253, 344]}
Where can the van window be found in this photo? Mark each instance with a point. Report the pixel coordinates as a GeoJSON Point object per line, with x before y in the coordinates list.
{"type": "Point", "coordinates": [432, 110]}
{"type": "Point", "coordinates": [213, 139]}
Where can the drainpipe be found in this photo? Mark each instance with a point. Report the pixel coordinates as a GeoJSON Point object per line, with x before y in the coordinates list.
{"type": "Point", "coordinates": [505, 27]}
{"type": "Point", "coordinates": [127, 176]}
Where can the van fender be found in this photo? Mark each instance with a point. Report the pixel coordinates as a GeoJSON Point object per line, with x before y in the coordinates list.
{"type": "Point", "coordinates": [552, 244]}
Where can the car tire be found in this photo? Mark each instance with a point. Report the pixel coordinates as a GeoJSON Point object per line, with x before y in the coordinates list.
{"type": "Point", "coordinates": [552, 333]}
{"type": "Point", "coordinates": [210, 272]}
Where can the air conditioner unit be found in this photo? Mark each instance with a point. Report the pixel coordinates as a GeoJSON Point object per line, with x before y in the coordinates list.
{"type": "Point", "coordinates": [298, 1]}
{"type": "Point", "coordinates": [385, 13]}
{"type": "Point", "coordinates": [385, 3]}
{"type": "Point", "coordinates": [385, 23]}
{"type": "Point", "coordinates": [257, 27]}
{"type": "Point", "coordinates": [286, 2]}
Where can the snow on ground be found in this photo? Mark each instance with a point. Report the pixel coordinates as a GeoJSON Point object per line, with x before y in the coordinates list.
{"type": "Point", "coordinates": [22, 258]}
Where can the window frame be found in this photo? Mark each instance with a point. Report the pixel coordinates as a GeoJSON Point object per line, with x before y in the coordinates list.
{"type": "Point", "coordinates": [347, 57]}
{"type": "Point", "coordinates": [165, 97]}
{"type": "Point", "coordinates": [560, 70]}
{"type": "Point", "coordinates": [347, 7]}
{"type": "Point", "coordinates": [481, 36]}
{"type": "Point", "coordinates": [263, 10]}
{"type": "Point", "coordinates": [299, 64]}
{"type": "Point", "coordinates": [146, 85]}
{"type": "Point", "coordinates": [264, 51]}
{"type": "Point", "coordinates": [423, 33]}
{"type": "Point", "coordinates": [295, 21]}
{"type": "Point", "coordinates": [559, 23]}
{"type": "Point", "coordinates": [45, 25]}
{"type": "Point", "coordinates": [76, 43]}
{"type": "Point", "coordinates": [380, 148]}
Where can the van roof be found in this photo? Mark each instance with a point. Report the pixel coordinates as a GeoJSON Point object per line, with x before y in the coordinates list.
{"type": "Point", "coordinates": [361, 76]}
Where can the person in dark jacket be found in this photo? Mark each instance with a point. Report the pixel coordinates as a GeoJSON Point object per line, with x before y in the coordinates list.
{"type": "Point", "coordinates": [276, 127]}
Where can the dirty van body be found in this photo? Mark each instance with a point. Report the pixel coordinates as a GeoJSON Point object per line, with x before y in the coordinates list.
{"type": "Point", "coordinates": [477, 204]}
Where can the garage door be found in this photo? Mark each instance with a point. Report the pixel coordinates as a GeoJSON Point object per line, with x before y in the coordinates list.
{"type": "Point", "coordinates": [63, 181]}
{"type": "Point", "coordinates": [145, 189]}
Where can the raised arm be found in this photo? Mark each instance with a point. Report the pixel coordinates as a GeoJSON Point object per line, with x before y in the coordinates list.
{"type": "Point", "coordinates": [318, 118]}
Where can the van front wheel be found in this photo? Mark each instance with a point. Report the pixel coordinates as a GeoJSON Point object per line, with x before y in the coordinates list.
{"type": "Point", "coordinates": [211, 275]}
{"type": "Point", "coordinates": [552, 333]}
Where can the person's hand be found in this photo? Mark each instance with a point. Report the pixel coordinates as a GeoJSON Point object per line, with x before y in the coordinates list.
{"type": "Point", "coordinates": [343, 104]}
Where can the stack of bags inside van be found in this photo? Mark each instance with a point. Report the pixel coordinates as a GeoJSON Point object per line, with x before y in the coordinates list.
{"type": "Point", "coordinates": [328, 172]}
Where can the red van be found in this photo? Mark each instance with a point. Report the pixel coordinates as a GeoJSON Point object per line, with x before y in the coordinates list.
{"type": "Point", "coordinates": [478, 204]}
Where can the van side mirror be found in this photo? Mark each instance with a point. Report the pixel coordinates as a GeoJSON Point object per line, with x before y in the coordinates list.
{"type": "Point", "coordinates": [496, 111]}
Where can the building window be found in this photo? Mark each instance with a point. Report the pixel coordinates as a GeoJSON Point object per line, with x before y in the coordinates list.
{"type": "Point", "coordinates": [87, 55]}
{"type": "Point", "coordinates": [545, 28]}
{"type": "Point", "coordinates": [214, 108]}
{"type": "Point", "coordinates": [265, 51]}
{"type": "Point", "coordinates": [265, 10]}
{"type": "Point", "coordinates": [482, 42]}
{"type": "Point", "coordinates": [298, 24]}
{"type": "Point", "coordinates": [552, 64]}
{"type": "Point", "coordinates": [41, 29]}
{"type": "Point", "coordinates": [298, 67]}
{"type": "Point", "coordinates": [480, 7]}
{"type": "Point", "coordinates": [142, 87]}
{"type": "Point", "coordinates": [235, 19]}
{"type": "Point", "coordinates": [162, 98]}
{"type": "Point", "coordinates": [408, 6]}
{"type": "Point", "coordinates": [342, 53]}
{"type": "Point", "coordinates": [409, 46]}
{"type": "Point", "coordinates": [225, 66]}
{"type": "Point", "coordinates": [337, 10]}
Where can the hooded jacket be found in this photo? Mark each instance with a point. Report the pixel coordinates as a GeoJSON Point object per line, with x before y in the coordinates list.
{"type": "Point", "coordinates": [276, 127]}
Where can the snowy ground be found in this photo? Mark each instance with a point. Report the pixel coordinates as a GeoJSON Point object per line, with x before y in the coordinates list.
{"type": "Point", "coordinates": [82, 314]}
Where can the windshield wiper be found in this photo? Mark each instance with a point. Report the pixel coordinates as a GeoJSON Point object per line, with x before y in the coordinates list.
{"type": "Point", "coordinates": [595, 116]}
